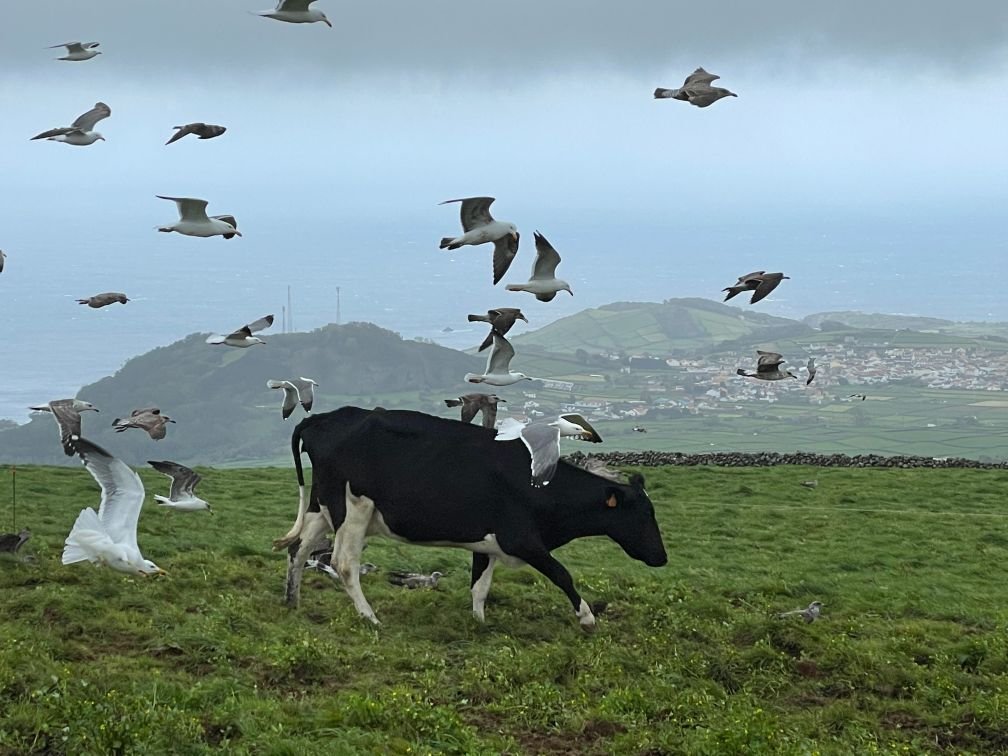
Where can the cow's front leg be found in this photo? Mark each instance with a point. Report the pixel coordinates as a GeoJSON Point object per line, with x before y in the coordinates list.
{"type": "Point", "coordinates": [315, 526]}
{"type": "Point", "coordinates": [482, 574]}
{"type": "Point", "coordinates": [540, 559]}
{"type": "Point", "coordinates": [350, 538]}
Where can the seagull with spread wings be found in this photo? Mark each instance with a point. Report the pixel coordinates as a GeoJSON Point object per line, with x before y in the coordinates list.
{"type": "Point", "coordinates": [81, 132]}
{"type": "Point", "coordinates": [759, 282]}
{"type": "Point", "coordinates": [183, 482]}
{"type": "Point", "coordinates": [109, 536]}
{"type": "Point", "coordinates": [498, 369]}
{"type": "Point", "coordinates": [696, 90]}
{"type": "Point", "coordinates": [543, 283]}
{"type": "Point", "coordinates": [78, 50]}
{"type": "Point", "coordinates": [473, 403]}
{"type": "Point", "coordinates": [148, 419]}
{"type": "Point", "coordinates": [480, 228]}
{"type": "Point", "coordinates": [500, 320]}
{"type": "Point", "coordinates": [201, 130]}
{"type": "Point", "coordinates": [67, 414]}
{"type": "Point", "coordinates": [103, 300]}
{"type": "Point", "coordinates": [193, 219]}
{"type": "Point", "coordinates": [296, 390]}
{"type": "Point", "coordinates": [295, 12]}
{"type": "Point", "coordinates": [542, 440]}
{"type": "Point", "coordinates": [243, 336]}
{"type": "Point", "coordinates": [768, 368]}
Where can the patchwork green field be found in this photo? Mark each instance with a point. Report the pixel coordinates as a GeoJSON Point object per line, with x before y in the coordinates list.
{"type": "Point", "coordinates": [910, 654]}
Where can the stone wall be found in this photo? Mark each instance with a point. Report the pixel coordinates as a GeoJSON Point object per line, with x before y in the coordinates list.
{"type": "Point", "coordinates": [769, 459]}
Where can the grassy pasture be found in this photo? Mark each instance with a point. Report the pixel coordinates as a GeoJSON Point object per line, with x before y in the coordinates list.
{"type": "Point", "coordinates": [910, 656]}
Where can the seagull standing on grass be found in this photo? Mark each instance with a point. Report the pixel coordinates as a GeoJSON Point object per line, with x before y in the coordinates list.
{"type": "Point", "coordinates": [109, 536]}
{"type": "Point", "coordinates": [184, 480]}
{"type": "Point", "coordinates": [543, 283]}
{"type": "Point", "coordinates": [498, 368]}
{"type": "Point", "coordinates": [193, 219]}
{"type": "Point", "coordinates": [413, 580]}
{"type": "Point", "coordinates": [480, 228]}
{"type": "Point", "coordinates": [295, 390]}
{"type": "Point", "coordinates": [810, 613]}
{"type": "Point", "coordinates": [500, 321]}
{"type": "Point", "coordinates": [11, 542]}
{"type": "Point", "coordinates": [78, 50]}
{"type": "Point", "coordinates": [543, 441]}
{"type": "Point", "coordinates": [295, 12]}
{"type": "Point", "coordinates": [243, 336]}
{"type": "Point", "coordinates": [81, 132]}
{"type": "Point", "coordinates": [67, 414]}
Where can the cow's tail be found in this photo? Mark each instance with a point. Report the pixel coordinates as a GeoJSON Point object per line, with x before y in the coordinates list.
{"type": "Point", "coordinates": [295, 532]}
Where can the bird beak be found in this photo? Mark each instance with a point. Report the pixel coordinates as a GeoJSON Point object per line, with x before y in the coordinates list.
{"type": "Point", "coordinates": [161, 572]}
{"type": "Point", "coordinates": [502, 400]}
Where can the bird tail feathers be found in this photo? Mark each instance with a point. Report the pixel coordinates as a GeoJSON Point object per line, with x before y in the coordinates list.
{"type": "Point", "coordinates": [661, 93]}
{"type": "Point", "coordinates": [85, 529]}
{"type": "Point", "coordinates": [163, 501]}
{"type": "Point", "coordinates": [479, 318]}
{"type": "Point", "coordinates": [509, 430]}
{"type": "Point", "coordinates": [452, 402]}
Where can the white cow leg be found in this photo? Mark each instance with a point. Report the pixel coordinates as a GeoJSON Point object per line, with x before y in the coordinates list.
{"type": "Point", "coordinates": [351, 537]}
{"type": "Point", "coordinates": [585, 617]}
{"type": "Point", "coordinates": [315, 526]}
{"type": "Point", "coordinates": [481, 588]}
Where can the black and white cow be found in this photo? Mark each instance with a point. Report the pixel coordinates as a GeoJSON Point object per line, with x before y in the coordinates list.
{"type": "Point", "coordinates": [427, 480]}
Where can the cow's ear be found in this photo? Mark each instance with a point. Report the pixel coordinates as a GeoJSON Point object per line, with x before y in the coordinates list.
{"type": "Point", "coordinates": [614, 497]}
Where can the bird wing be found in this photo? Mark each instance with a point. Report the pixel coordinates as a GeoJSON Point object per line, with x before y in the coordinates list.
{"type": "Point", "coordinates": [469, 408]}
{"type": "Point", "coordinates": [768, 361]}
{"type": "Point", "coordinates": [87, 121]}
{"type": "Point", "coordinates": [189, 128]}
{"type": "Point", "coordinates": [547, 259]}
{"type": "Point", "coordinates": [509, 430]}
{"type": "Point", "coordinates": [590, 434]}
{"type": "Point", "coordinates": [750, 276]}
{"type": "Point", "coordinates": [475, 211]}
{"type": "Point", "coordinates": [543, 443]}
{"type": "Point", "coordinates": [189, 208]}
{"type": "Point", "coordinates": [157, 426]}
{"type": "Point", "coordinates": [501, 353]}
{"type": "Point", "coordinates": [122, 492]}
{"type": "Point", "coordinates": [489, 409]}
{"type": "Point", "coordinates": [261, 324]}
{"type": "Point", "coordinates": [503, 318]}
{"type": "Point", "coordinates": [291, 395]}
{"type": "Point", "coordinates": [766, 285]}
{"type": "Point", "coordinates": [505, 250]}
{"type": "Point", "coordinates": [293, 5]}
{"type": "Point", "coordinates": [227, 219]}
{"type": "Point", "coordinates": [56, 132]}
{"type": "Point", "coordinates": [700, 77]}
{"type": "Point", "coordinates": [306, 392]}
{"type": "Point", "coordinates": [69, 421]}
{"type": "Point", "coordinates": [183, 478]}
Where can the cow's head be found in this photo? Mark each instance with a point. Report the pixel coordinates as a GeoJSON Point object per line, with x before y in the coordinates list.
{"type": "Point", "coordinates": [630, 521]}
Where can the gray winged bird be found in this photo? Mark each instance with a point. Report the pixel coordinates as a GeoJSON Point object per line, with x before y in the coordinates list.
{"type": "Point", "coordinates": [696, 90]}
{"type": "Point", "coordinates": [759, 282]}
{"type": "Point", "coordinates": [103, 300]}
{"type": "Point", "coordinates": [498, 368]}
{"type": "Point", "coordinates": [414, 579]}
{"type": "Point", "coordinates": [149, 419]}
{"type": "Point", "coordinates": [543, 283]}
{"type": "Point", "coordinates": [296, 390]}
{"type": "Point", "coordinates": [473, 403]}
{"type": "Point", "coordinates": [194, 221]}
{"type": "Point", "coordinates": [67, 414]}
{"type": "Point", "coordinates": [296, 12]}
{"type": "Point", "coordinates": [11, 542]}
{"type": "Point", "coordinates": [182, 494]}
{"type": "Point", "coordinates": [542, 440]}
{"type": "Point", "coordinates": [810, 613]}
{"type": "Point", "coordinates": [243, 337]}
{"type": "Point", "coordinates": [480, 227]}
{"type": "Point", "coordinates": [202, 130]}
{"type": "Point", "coordinates": [77, 51]}
{"type": "Point", "coordinates": [768, 368]}
{"type": "Point", "coordinates": [811, 368]}
{"type": "Point", "coordinates": [3, 256]}
{"type": "Point", "coordinates": [500, 321]}
{"type": "Point", "coordinates": [81, 132]}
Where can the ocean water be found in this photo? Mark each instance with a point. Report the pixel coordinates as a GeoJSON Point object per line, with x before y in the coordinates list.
{"type": "Point", "coordinates": [393, 275]}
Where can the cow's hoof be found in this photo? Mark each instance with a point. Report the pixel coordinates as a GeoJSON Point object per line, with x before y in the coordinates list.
{"type": "Point", "coordinates": [588, 627]}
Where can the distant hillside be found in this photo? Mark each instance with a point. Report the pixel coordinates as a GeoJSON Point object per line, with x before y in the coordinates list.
{"type": "Point", "coordinates": [218, 395]}
{"type": "Point", "coordinates": [673, 326]}
{"type": "Point", "coordinates": [876, 320]}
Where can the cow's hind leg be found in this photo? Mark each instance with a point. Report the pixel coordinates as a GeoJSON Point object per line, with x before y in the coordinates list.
{"type": "Point", "coordinates": [482, 574]}
{"type": "Point", "coordinates": [543, 561]}
{"type": "Point", "coordinates": [315, 526]}
{"type": "Point", "coordinates": [350, 537]}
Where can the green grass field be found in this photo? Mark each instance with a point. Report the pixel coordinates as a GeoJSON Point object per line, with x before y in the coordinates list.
{"type": "Point", "coordinates": [910, 655]}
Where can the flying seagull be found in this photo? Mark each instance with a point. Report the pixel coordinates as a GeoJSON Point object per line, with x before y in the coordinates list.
{"type": "Point", "coordinates": [295, 390]}
{"type": "Point", "coordinates": [768, 368]}
{"type": "Point", "coordinates": [759, 282]}
{"type": "Point", "coordinates": [498, 368]}
{"type": "Point", "coordinates": [183, 482]}
{"type": "Point", "coordinates": [81, 132]}
{"type": "Point", "coordinates": [473, 403]}
{"type": "Point", "coordinates": [66, 412]}
{"type": "Point", "coordinates": [78, 50]}
{"type": "Point", "coordinates": [193, 220]}
{"type": "Point", "coordinates": [3, 256]}
{"type": "Point", "coordinates": [543, 283]}
{"type": "Point", "coordinates": [480, 228]}
{"type": "Point", "coordinates": [102, 300]}
{"type": "Point", "coordinates": [639, 429]}
{"type": "Point", "coordinates": [500, 321]}
{"type": "Point", "coordinates": [414, 579]}
{"type": "Point", "coordinates": [811, 368]}
{"type": "Point", "coordinates": [202, 130]}
{"type": "Point", "coordinates": [696, 90]}
{"type": "Point", "coordinates": [109, 537]}
{"type": "Point", "coordinates": [295, 12]}
{"type": "Point", "coordinates": [243, 336]}
{"type": "Point", "coordinates": [862, 397]}
{"type": "Point", "coordinates": [542, 440]}
{"type": "Point", "coordinates": [11, 542]}
{"type": "Point", "coordinates": [149, 419]}
{"type": "Point", "coordinates": [810, 613]}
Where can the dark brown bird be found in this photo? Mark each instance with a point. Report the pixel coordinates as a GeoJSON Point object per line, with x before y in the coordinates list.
{"type": "Point", "coordinates": [202, 130]}
{"type": "Point", "coordinates": [500, 321]}
{"type": "Point", "coordinates": [768, 368]}
{"type": "Point", "coordinates": [11, 542]}
{"type": "Point", "coordinates": [696, 90]}
{"type": "Point", "coordinates": [102, 300]}
{"type": "Point", "coordinates": [758, 282]}
{"type": "Point", "coordinates": [473, 403]}
{"type": "Point", "coordinates": [149, 419]}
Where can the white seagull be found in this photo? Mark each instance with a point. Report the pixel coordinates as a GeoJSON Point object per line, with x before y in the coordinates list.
{"type": "Point", "coordinates": [811, 368]}
{"type": "Point", "coordinates": [498, 369]}
{"type": "Point", "coordinates": [67, 414]}
{"type": "Point", "coordinates": [295, 390]}
{"type": "Point", "coordinates": [243, 336]}
{"type": "Point", "coordinates": [78, 50]}
{"type": "Point", "coordinates": [81, 132]}
{"type": "Point", "coordinates": [193, 220]}
{"type": "Point", "coordinates": [3, 256]}
{"type": "Point", "coordinates": [109, 536]}
{"type": "Point", "coordinates": [543, 441]}
{"type": "Point", "coordinates": [480, 228]}
{"type": "Point", "coordinates": [295, 12]}
{"type": "Point", "coordinates": [183, 481]}
{"type": "Point", "coordinates": [543, 283]}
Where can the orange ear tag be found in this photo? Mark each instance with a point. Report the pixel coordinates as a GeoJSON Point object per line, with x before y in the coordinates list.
{"type": "Point", "coordinates": [611, 501]}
